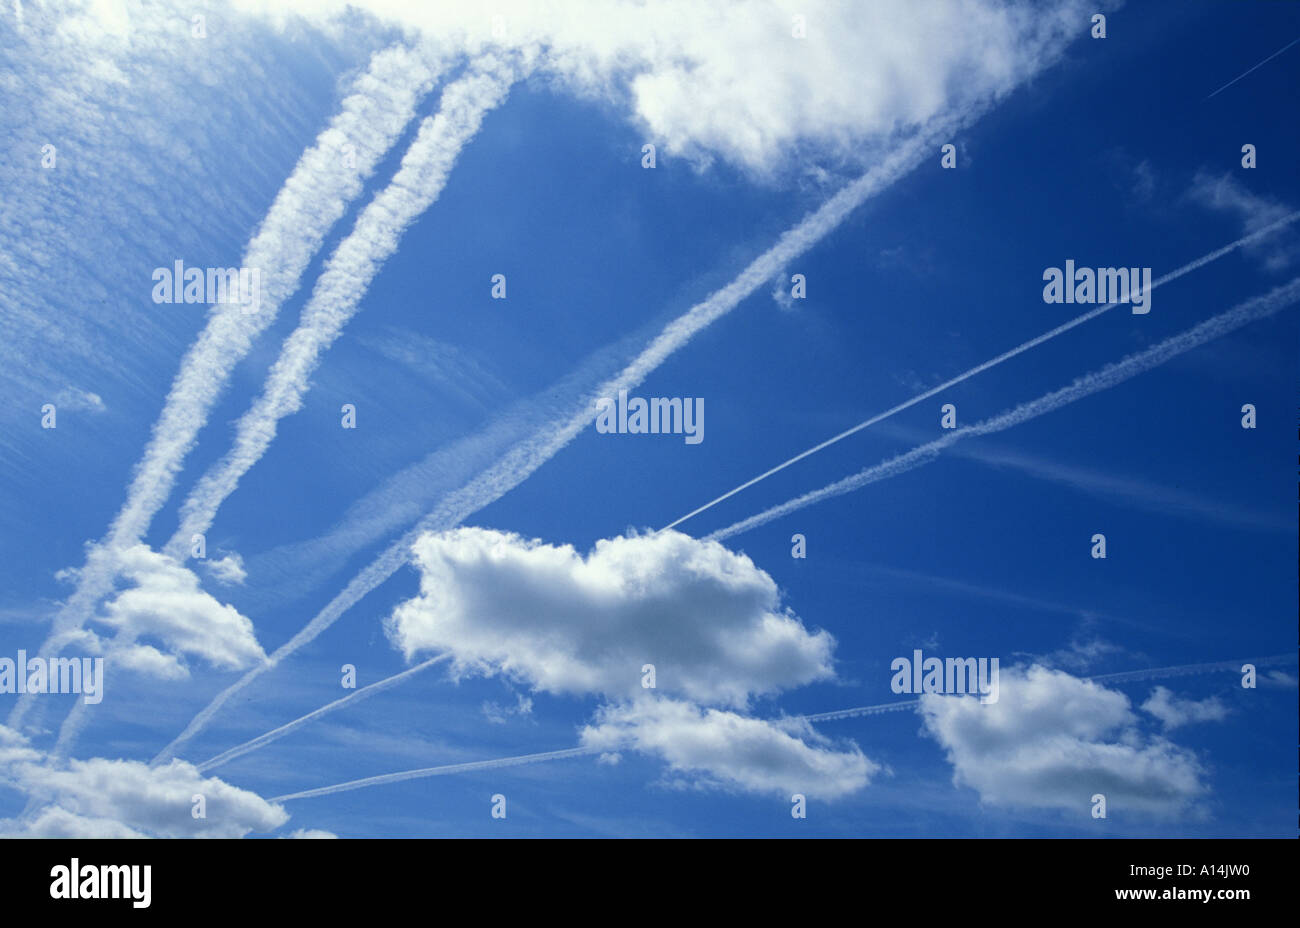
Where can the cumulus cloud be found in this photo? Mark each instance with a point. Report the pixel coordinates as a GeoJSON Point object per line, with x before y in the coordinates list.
{"type": "Point", "coordinates": [314, 833]}
{"type": "Point", "coordinates": [228, 569]}
{"type": "Point", "coordinates": [167, 603]}
{"type": "Point", "coordinates": [721, 749]}
{"type": "Point", "coordinates": [708, 619]}
{"type": "Point", "coordinates": [1173, 711]}
{"type": "Point", "coordinates": [1053, 741]}
{"type": "Point", "coordinates": [102, 798]}
{"type": "Point", "coordinates": [755, 82]}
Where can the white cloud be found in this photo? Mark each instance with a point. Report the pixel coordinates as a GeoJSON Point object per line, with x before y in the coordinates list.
{"type": "Point", "coordinates": [731, 80]}
{"type": "Point", "coordinates": [228, 569]}
{"type": "Point", "coordinates": [1173, 712]}
{"type": "Point", "coordinates": [125, 798]}
{"type": "Point", "coordinates": [167, 603]}
{"type": "Point", "coordinates": [1053, 741]}
{"type": "Point", "coordinates": [721, 749]}
{"type": "Point", "coordinates": [708, 619]}
{"type": "Point", "coordinates": [314, 833]}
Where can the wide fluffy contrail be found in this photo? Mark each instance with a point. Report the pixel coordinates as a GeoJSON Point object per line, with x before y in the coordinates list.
{"type": "Point", "coordinates": [992, 362]}
{"type": "Point", "coordinates": [437, 771]}
{"type": "Point", "coordinates": [337, 296]}
{"type": "Point", "coordinates": [1109, 376]}
{"type": "Point", "coordinates": [898, 706]}
{"type": "Point", "coordinates": [327, 177]}
{"type": "Point", "coordinates": [526, 456]}
{"type": "Point", "coordinates": [275, 734]}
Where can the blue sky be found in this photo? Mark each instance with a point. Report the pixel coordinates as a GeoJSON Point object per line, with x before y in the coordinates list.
{"type": "Point", "coordinates": [1110, 152]}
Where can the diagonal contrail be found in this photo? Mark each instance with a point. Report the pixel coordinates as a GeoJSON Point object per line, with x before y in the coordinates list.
{"type": "Point", "coordinates": [277, 733]}
{"type": "Point", "coordinates": [992, 362]}
{"type": "Point", "coordinates": [527, 456]}
{"type": "Point", "coordinates": [1109, 376]}
{"type": "Point", "coordinates": [327, 177]}
{"type": "Point", "coordinates": [1257, 67]}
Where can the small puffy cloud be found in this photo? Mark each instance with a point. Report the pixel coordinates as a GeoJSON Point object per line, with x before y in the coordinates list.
{"type": "Point", "coordinates": [166, 603]}
{"type": "Point", "coordinates": [1053, 741]}
{"type": "Point", "coordinates": [312, 833]}
{"type": "Point", "coordinates": [80, 400]}
{"type": "Point", "coordinates": [708, 619]}
{"type": "Point", "coordinates": [720, 749]}
{"type": "Point", "coordinates": [1225, 193]}
{"type": "Point", "coordinates": [228, 569]}
{"type": "Point", "coordinates": [1173, 712]}
{"type": "Point", "coordinates": [106, 798]}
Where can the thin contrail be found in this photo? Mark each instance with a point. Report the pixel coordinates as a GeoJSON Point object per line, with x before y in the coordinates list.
{"type": "Point", "coordinates": [1126, 676]}
{"type": "Point", "coordinates": [1149, 674]}
{"type": "Point", "coordinates": [548, 440]}
{"type": "Point", "coordinates": [1109, 376]}
{"type": "Point", "coordinates": [337, 295]}
{"type": "Point", "coordinates": [436, 771]}
{"type": "Point", "coordinates": [1260, 65]}
{"type": "Point", "coordinates": [275, 734]}
{"type": "Point", "coordinates": [327, 177]}
{"type": "Point", "coordinates": [981, 368]}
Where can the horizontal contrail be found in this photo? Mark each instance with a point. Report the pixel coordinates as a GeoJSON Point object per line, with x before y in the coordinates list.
{"type": "Point", "coordinates": [325, 180]}
{"type": "Point", "coordinates": [548, 440]}
{"type": "Point", "coordinates": [1109, 376]}
{"type": "Point", "coordinates": [275, 734]}
{"type": "Point", "coordinates": [993, 362]}
{"type": "Point", "coordinates": [437, 771]}
{"type": "Point", "coordinates": [1149, 674]}
{"type": "Point", "coordinates": [337, 295]}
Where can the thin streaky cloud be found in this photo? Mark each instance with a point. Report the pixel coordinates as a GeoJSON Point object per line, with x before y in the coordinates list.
{"type": "Point", "coordinates": [1109, 376]}
{"type": "Point", "coordinates": [981, 368]}
{"type": "Point", "coordinates": [1255, 68]}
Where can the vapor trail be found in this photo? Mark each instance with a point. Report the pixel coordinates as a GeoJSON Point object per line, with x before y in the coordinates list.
{"type": "Point", "coordinates": [993, 362]}
{"type": "Point", "coordinates": [435, 772]}
{"type": "Point", "coordinates": [275, 734]}
{"type": "Point", "coordinates": [327, 177]}
{"type": "Point", "coordinates": [1109, 376]}
{"type": "Point", "coordinates": [525, 457]}
{"type": "Point", "coordinates": [337, 295]}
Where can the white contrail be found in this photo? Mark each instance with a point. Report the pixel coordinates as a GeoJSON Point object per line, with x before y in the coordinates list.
{"type": "Point", "coordinates": [1149, 674]}
{"type": "Point", "coordinates": [1126, 676]}
{"type": "Point", "coordinates": [275, 734]}
{"type": "Point", "coordinates": [1255, 68]}
{"type": "Point", "coordinates": [327, 177]}
{"type": "Point", "coordinates": [993, 362]}
{"type": "Point", "coordinates": [525, 457]}
{"type": "Point", "coordinates": [1109, 376]}
{"type": "Point", "coordinates": [337, 295]}
{"type": "Point", "coordinates": [437, 771]}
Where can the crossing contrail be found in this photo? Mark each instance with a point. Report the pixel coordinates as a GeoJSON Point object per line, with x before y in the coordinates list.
{"type": "Point", "coordinates": [993, 362]}
{"type": "Point", "coordinates": [1255, 68]}
{"type": "Point", "coordinates": [1149, 674]}
{"type": "Point", "coordinates": [327, 177]}
{"type": "Point", "coordinates": [526, 456]}
{"type": "Point", "coordinates": [1109, 376]}
{"type": "Point", "coordinates": [275, 734]}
